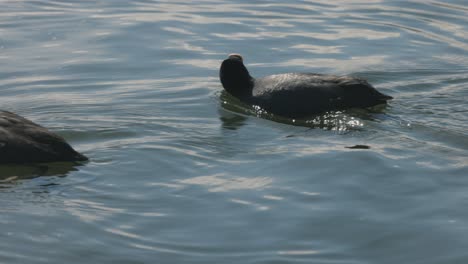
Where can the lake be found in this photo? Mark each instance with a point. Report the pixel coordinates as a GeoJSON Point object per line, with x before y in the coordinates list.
{"type": "Point", "coordinates": [180, 172]}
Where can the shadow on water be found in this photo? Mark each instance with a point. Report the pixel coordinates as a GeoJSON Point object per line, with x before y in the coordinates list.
{"type": "Point", "coordinates": [11, 173]}
{"type": "Point", "coordinates": [342, 121]}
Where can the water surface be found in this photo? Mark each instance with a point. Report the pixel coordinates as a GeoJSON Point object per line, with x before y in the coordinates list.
{"type": "Point", "coordinates": [181, 173]}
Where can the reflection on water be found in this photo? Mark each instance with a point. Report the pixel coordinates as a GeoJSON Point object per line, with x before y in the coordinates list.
{"type": "Point", "coordinates": [220, 183]}
{"type": "Point", "coordinates": [231, 121]}
{"type": "Point", "coordinates": [340, 121]}
{"type": "Point", "coordinates": [13, 172]}
{"type": "Point", "coordinates": [89, 211]}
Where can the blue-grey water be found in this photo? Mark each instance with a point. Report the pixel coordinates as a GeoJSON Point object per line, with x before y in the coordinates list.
{"type": "Point", "coordinates": [182, 173]}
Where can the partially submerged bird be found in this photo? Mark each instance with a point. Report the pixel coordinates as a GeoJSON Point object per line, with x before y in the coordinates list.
{"type": "Point", "coordinates": [297, 95]}
{"type": "Point", "coordinates": [22, 141]}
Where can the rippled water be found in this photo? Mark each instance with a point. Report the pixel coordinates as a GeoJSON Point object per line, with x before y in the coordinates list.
{"type": "Point", "coordinates": [182, 173]}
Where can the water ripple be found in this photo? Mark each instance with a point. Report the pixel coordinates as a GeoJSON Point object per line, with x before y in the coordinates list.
{"type": "Point", "coordinates": [183, 173]}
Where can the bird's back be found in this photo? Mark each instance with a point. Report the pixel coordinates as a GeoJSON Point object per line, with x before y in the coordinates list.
{"type": "Point", "coordinates": [301, 94]}
{"type": "Point", "coordinates": [22, 140]}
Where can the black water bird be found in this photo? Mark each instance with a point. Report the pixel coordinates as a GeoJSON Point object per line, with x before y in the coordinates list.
{"type": "Point", "coordinates": [22, 141]}
{"type": "Point", "coordinates": [297, 95]}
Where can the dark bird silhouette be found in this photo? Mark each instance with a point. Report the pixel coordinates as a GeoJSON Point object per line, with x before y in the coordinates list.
{"type": "Point", "coordinates": [297, 95]}
{"type": "Point", "coordinates": [22, 141]}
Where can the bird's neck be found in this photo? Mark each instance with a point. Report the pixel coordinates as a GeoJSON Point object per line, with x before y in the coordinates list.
{"type": "Point", "coordinates": [239, 87]}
